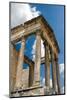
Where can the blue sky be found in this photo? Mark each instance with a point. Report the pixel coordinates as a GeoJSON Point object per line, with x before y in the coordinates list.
{"type": "Point", "coordinates": [54, 14]}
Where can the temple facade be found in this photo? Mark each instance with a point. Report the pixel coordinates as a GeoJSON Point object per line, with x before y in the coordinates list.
{"type": "Point", "coordinates": [27, 82]}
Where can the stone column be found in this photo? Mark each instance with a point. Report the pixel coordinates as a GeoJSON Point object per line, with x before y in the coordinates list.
{"type": "Point", "coordinates": [54, 79]}
{"type": "Point", "coordinates": [31, 75]}
{"type": "Point", "coordinates": [37, 59]}
{"type": "Point", "coordinates": [20, 65]}
{"type": "Point", "coordinates": [58, 76]}
{"type": "Point", "coordinates": [47, 65]}
{"type": "Point", "coordinates": [13, 63]}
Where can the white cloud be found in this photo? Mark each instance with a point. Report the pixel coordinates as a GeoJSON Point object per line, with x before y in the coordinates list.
{"type": "Point", "coordinates": [43, 81]}
{"type": "Point", "coordinates": [21, 13]}
{"type": "Point", "coordinates": [62, 90]}
{"type": "Point", "coordinates": [61, 67]}
{"type": "Point", "coordinates": [34, 47]}
{"type": "Point", "coordinates": [33, 50]}
{"type": "Point", "coordinates": [42, 49]}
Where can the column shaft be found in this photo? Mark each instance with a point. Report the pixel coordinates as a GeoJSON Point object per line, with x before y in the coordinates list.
{"type": "Point", "coordinates": [54, 79]}
{"type": "Point", "coordinates": [13, 67]}
{"type": "Point", "coordinates": [31, 75]}
{"type": "Point", "coordinates": [37, 59]}
{"type": "Point", "coordinates": [58, 76]}
{"type": "Point", "coordinates": [47, 65]}
{"type": "Point", "coordinates": [20, 65]}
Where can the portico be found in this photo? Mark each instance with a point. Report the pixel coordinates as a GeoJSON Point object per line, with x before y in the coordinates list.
{"type": "Point", "coordinates": [42, 30]}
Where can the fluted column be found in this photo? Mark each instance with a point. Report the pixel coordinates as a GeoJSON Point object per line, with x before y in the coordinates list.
{"type": "Point", "coordinates": [47, 65]}
{"type": "Point", "coordinates": [20, 65]}
{"type": "Point", "coordinates": [54, 79]}
{"type": "Point", "coordinates": [58, 76]}
{"type": "Point", "coordinates": [37, 59]}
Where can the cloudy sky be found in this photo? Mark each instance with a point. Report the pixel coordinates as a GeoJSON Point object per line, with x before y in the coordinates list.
{"type": "Point", "coordinates": [54, 14]}
{"type": "Point", "coordinates": [21, 13]}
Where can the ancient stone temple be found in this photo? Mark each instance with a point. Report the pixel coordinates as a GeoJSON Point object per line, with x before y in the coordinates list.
{"type": "Point", "coordinates": [27, 82]}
